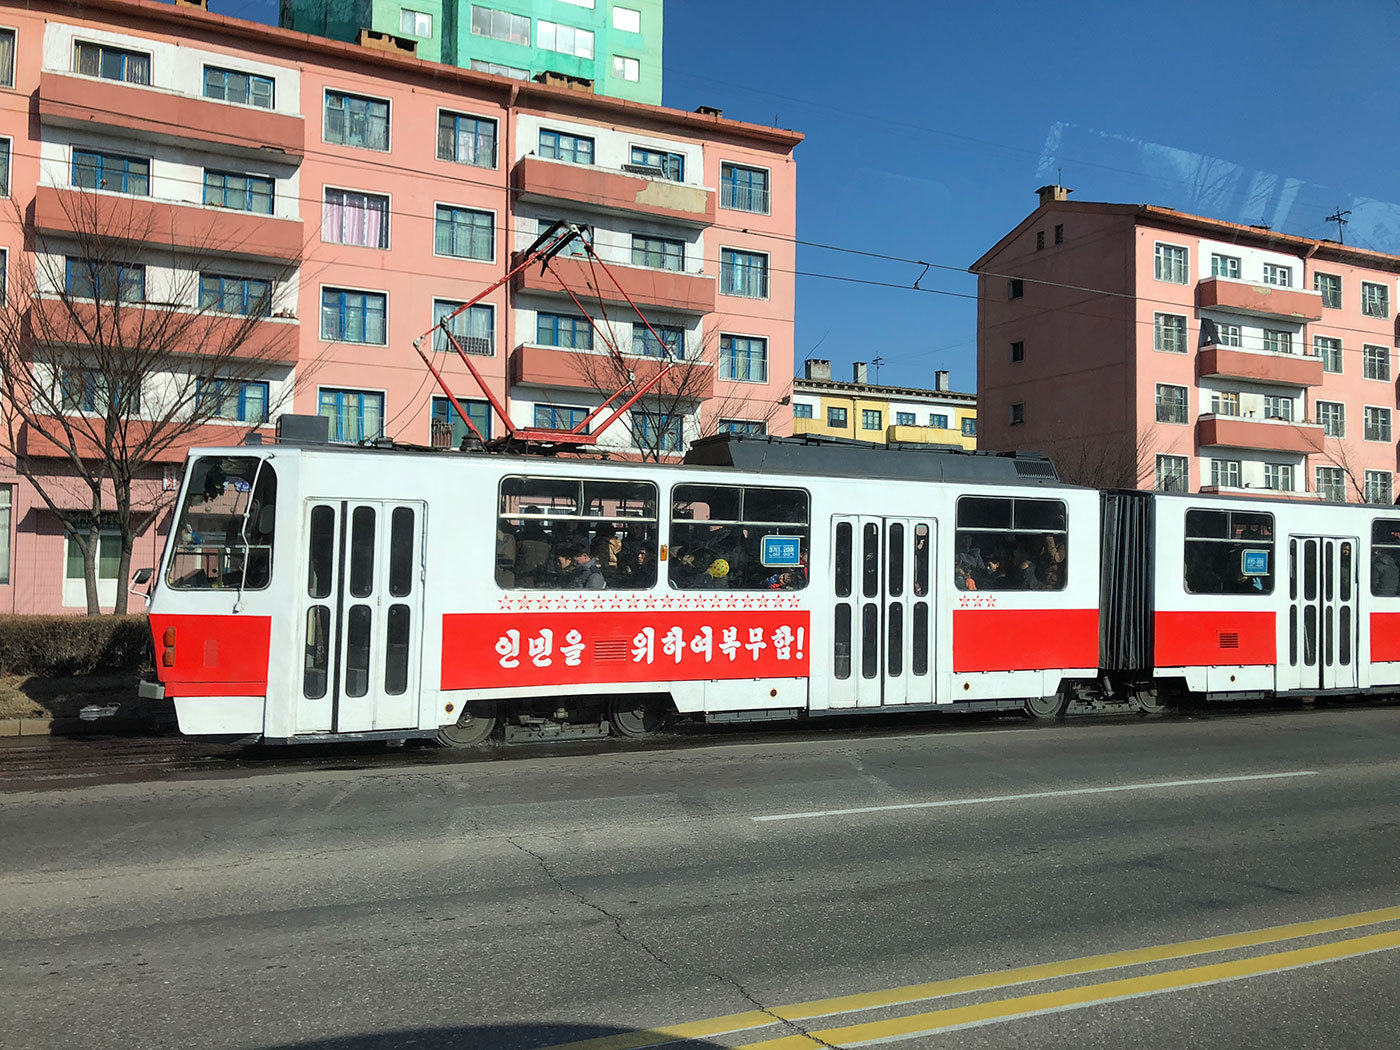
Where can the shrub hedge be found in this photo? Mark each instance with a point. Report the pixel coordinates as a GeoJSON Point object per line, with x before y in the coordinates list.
{"type": "Point", "coordinates": [60, 646]}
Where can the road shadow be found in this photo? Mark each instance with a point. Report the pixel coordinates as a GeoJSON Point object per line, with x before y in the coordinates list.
{"type": "Point", "coordinates": [530, 1036]}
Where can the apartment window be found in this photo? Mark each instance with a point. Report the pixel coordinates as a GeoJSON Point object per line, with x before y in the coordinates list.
{"type": "Point", "coordinates": [1172, 474]}
{"type": "Point", "coordinates": [500, 25]}
{"type": "Point", "coordinates": [1224, 266]}
{"type": "Point", "coordinates": [969, 427]}
{"type": "Point", "coordinates": [1377, 424]}
{"type": "Point", "coordinates": [1281, 276]}
{"type": "Point", "coordinates": [353, 120]}
{"type": "Point", "coordinates": [743, 189]}
{"type": "Point", "coordinates": [229, 189]}
{"type": "Point", "coordinates": [241, 401]}
{"type": "Point", "coordinates": [4, 167]}
{"type": "Point", "coordinates": [1333, 417]}
{"type": "Point", "coordinates": [558, 145]}
{"type": "Point", "coordinates": [6, 503]}
{"type": "Point", "coordinates": [415, 23]}
{"type": "Point", "coordinates": [743, 359]}
{"type": "Point", "coordinates": [1376, 485]}
{"type": "Point", "coordinates": [626, 19]}
{"type": "Point", "coordinates": [1228, 334]}
{"type": "Point", "coordinates": [349, 316]}
{"type": "Point", "coordinates": [671, 338]}
{"type": "Point", "coordinates": [1225, 473]}
{"type": "Point", "coordinates": [658, 253]}
{"type": "Point", "coordinates": [109, 549]}
{"type": "Point", "coordinates": [573, 333]}
{"type": "Point", "coordinates": [1059, 233]}
{"type": "Point", "coordinates": [904, 419]}
{"type": "Point", "coordinates": [1276, 407]}
{"type": "Point", "coordinates": [1169, 263]}
{"type": "Point", "coordinates": [498, 70]}
{"type": "Point", "coordinates": [567, 40]}
{"type": "Point", "coordinates": [801, 411]}
{"type": "Point", "coordinates": [247, 296]}
{"type": "Point", "coordinates": [625, 68]}
{"type": "Point", "coordinates": [351, 217]}
{"type": "Point", "coordinates": [1040, 240]}
{"type": "Point", "coordinates": [752, 427]}
{"type": "Point", "coordinates": [1330, 350]}
{"type": "Point", "coordinates": [559, 417]}
{"type": "Point", "coordinates": [1376, 362]}
{"type": "Point", "coordinates": [107, 171]}
{"type": "Point", "coordinates": [1375, 299]}
{"type": "Point", "coordinates": [1278, 476]}
{"type": "Point", "coordinates": [1171, 403]}
{"type": "Point", "coordinates": [657, 431]}
{"type": "Point", "coordinates": [671, 165]}
{"type": "Point", "coordinates": [111, 63]}
{"type": "Point", "coordinates": [87, 390]}
{"type": "Point", "coordinates": [1332, 484]}
{"type": "Point", "coordinates": [466, 140]}
{"type": "Point", "coordinates": [447, 426]}
{"type": "Point", "coordinates": [938, 419]}
{"type": "Point", "coordinates": [7, 58]}
{"type": "Point", "coordinates": [1330, 287]}
{"type": "Point", "coordinates": [1015, 288]}
{"type": "Point", "coordinates": [100, 279]}
{"type": "Point", "coordinates": [1225, 403]}
{"type": "Point", "coordinates": [1018, 351]}
{"type": "Point", "coordinates": [464, 233]}
{"type": "Point", "coordinates": [743, 273]}
{"type": "Point", "coordinates": [1277, 342]}
{"type": "Point", "coordinates": [1169, 333]}
{"type": "Point", "coordinates": [836, 418]}
{"type": "Point", "coordinates": [1018, 413]}
{"type": "Point", "coordinates": [473, 328]}
{"type": "Point", "coordinates": [355, 415]}
{"type": "Point", "coordinates": [247, 89]}
{"type": "Point", "coordinates": [871, 419]}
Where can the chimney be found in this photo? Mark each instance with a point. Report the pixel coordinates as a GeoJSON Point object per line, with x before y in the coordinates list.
{"type": "Point", "coordinates": [940, 379]}
{"type": "Point", "coordinates": [551, 78]}
{"type": "Point", "coordinates": [1052, 193]}
{"type": "Point", "coordinates": [203, 5]}
{"type": "Point", "coordinates": [818, 369]}
{"type": "Point", "coordinates": [858, 372]}
{"type": "Point", "coordinates": [394, 45]}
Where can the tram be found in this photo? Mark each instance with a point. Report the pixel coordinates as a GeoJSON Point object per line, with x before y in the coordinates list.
{"type": "Point", "coordinates": [314, 592]}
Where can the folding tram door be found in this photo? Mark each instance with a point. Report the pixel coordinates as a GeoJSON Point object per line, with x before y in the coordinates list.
{"type": "Point", "coordinates": [1322, 620]}
{"type": "Point", "coordinates": [363, 616]}
{"type": "Point", "coordinates": [882, 651]}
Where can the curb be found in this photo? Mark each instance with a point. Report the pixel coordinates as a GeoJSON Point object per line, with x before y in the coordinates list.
{"type": "Point", "coordinates": [41, 726]}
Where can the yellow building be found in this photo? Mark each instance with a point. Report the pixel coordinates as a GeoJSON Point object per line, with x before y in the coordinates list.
{"type": "Point", "coordinates": [867, 412]}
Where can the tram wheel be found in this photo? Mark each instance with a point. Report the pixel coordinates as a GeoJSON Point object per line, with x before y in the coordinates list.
{"type": "Point", "coordinates": [1149, 701]}
{"type": "Point", "coordinates": [636, 715]}
{"type": "Point", "coordinates": [1049, 707]}
{"type": "Point", "coordinates": [473, 727]}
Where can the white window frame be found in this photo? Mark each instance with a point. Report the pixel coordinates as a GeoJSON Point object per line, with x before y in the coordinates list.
{"type": "Point", "coordinates": [1339, 478]}
{"type": "Point", "coordinates": [1185, 262]}
{"type": "Point", "coordinates": [1366, 360]}
{"type": "Point", "coordinates": [1278, 401]}
{"type": "Point", "coordinates": [1321, 352]}
{"type": "Point", "coordinates": [14, 32]}
{"type": "Point", "coordinates": [388, 219]}
{"type": "Point", "coordinates": [75, 588]}
{"type": "Point", "coordinates": [1377, 475]}
{"type": "Point", "coordinates": [1159, 327]}
{"type": "Point", "coordinates": [327, 91]}
{"type": "Point", "coordinates": [1185, 404]}
{"type": "Point", "coordinates": [1275, 474]}
{"type": "Point", "coordinates": [617, 19]}
{"type": "Point", "coordinates": [1222, 399]}
{"type": "Point", "coordinates": [620, 67]}
{"type": "Point", "coordinates": [5, 188]}
{"type": "Point", "coordinates": [495, 231]}
{"type": "Point", "coordinates": [1337, 427]}
{"type": "Point", "coordinates": [1322, 296]}
{"type": "Point", "coordinates": [320, 337]}
{"type": "Point", "coordinates": [1171, 461]}
{"type": "Point", "coordinates": [1277, 341]}
{"type": "Point", "coordinates": [1227, 467]}
{"type": "Point", "coordinates": [416, 16]}
{"type": "Point", "coordinates": [7, 518]}
{"type": "Point", "coordinates": [1280, 275]}
{"type": "Point", "coordinates": [1383, 297]}
{"type": "Point", "coordinates": [1381, 414]}
{"type": "Point", "coordinates": [1227, 334]}
{"type": "Point", "coordinates": [382, 392]}
{"type": "Point", "coordinates": [495, 161]}
{"type": "Point", "coordinates": [1225, 259]}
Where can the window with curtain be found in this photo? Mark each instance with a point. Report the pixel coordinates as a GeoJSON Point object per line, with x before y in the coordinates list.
{"type": "Point", "coordinates": [466, 140]}
{"type": "Point", "coordinates": [355, 415]}
{"type": "Point", "coordinates": [474, 328]}
{"type": "Point", "coordinates": [351, 217]}
{"type": "Point", "coordinates": [7, 58]}
{"type": "Point", "coordinates": [464, 233]}
{"type": "Point", "coordinates": [349, 316]}
{"type": "Point", "coordinates": [352, 120]}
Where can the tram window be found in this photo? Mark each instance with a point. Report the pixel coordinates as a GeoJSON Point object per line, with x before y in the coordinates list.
{"type": "Point", "coordinates": [870, 560]}
{"type": "Point", "coordinates": [570, 534]}
{"type": "Point", "coordinates": [1345, 573]}
{"type": "Point", "coordinates": [1010, 544]}
{"type": "Point", "coordinates": [357, 637]}
{"type": "Point", "coordinates": [361, 552]}
{"type": "Point", "coordinates": [1385, 557]}
{"type": "Point", "coordinates": [732, 537]}
{"type": "Point", "coordinates": [320, 551]}
{"type": "Point", "coordinates": [843, 559]}
{"type": "Point", "coordinates": [921, 559]}
{"type": "Point", "coordinates": [1230, 552]}
{"type": "Point", "coordinates": [869, 640]}
{"type": "Point", "coordinates": [396, 637]}
{"type": "Point", "coordinates": [224, 531]}
{"type": "Point", "coordinates": [401, 552]}
{"type": "Point", "coordinates": [841, 651]}
{"type": "Point", "coordinates": [894, 651]}
{"type": "Point", "coordinates": [318, 647]}
{"type": "Point", "coordinates": [896, 558]}
{"type": "Point", "coordinates": [920, 654]}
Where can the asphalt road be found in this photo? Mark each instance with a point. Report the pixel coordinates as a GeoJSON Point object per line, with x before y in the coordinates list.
{"type": "Point", "coordinates": [1076, 886]}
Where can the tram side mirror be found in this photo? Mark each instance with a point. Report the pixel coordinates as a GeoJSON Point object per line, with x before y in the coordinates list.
{"type": "Point", "coordinates": [140, 576]}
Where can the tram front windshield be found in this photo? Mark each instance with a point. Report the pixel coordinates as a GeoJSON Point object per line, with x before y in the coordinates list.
{"type": "Point", "coordinates": [223, 534]}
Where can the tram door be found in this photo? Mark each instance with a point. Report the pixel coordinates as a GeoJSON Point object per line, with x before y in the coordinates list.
{"type": "Point", "coordinates": [883, 607]}
{"type": "Point", "coordinates": [363, 606]}
{"type": "Point", "coordinates": [1322, 622]}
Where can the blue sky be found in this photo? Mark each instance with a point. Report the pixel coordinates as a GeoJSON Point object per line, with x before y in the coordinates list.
{"type": "Point", "coordinates": [930, 124]}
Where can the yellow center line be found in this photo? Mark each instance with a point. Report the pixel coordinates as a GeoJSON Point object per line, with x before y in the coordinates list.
{"type": "Point", "coordinates": [1086, 995]}
{"type": "Point", "coordinates": [980, 982]}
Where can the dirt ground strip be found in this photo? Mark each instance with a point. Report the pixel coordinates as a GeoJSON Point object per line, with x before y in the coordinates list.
{"type": "Point", "coordinates": [60, 699]}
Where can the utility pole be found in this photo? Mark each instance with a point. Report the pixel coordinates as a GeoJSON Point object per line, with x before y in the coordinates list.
{"type": "Point", "coordinates": [1340, 218]}
{"type": "Point", "coordinates": [875, 363]}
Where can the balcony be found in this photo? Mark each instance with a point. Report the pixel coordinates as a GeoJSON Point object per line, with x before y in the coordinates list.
{"type": "Point", "coordinates": [1259, 300]}
{"type": "Point", "coordinates": [599, 372]}
{"type": "Point", "coordinates": [687, 292]}
{"type": "Point", "coordinates": [548, 180]}
{"type": "Point", "coordinates": [142, 220]}
{"type": "Point", "coordinates": [81, 102]}
{"type": "Point", "coordinates": [90, 439]}
{"type": "Point", "coordinates": [1260, 366]}
{"type": "Point", "coordinates": [1265, 435]}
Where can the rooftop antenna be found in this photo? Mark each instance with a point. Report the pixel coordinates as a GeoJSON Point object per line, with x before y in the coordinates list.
{"type": "Point", "coordinates": [875, 363]}
{"type": "Point", "coordinates": [1340, 218]}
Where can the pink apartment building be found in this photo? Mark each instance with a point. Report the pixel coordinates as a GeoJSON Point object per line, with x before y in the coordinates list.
{"type": "Point", "coordinates": [388, 190]}
{"type": "Point", "coordinates": [1143, 347]}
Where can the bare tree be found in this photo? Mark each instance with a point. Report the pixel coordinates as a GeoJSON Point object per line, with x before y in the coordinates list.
{"type": "Point", "coordinates": [1107, 462]}
{"type": "Point", "coordinates": [116, 354]}
{"type": "Point", "coordinates": [1339, 454]}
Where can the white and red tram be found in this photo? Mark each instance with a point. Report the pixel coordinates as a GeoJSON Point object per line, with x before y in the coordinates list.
{"type": "Point", "coordinates": [316, 592]}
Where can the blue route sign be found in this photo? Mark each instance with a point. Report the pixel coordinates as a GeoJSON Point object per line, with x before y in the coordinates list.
{"type": "Point", "coordinates": [782, 552]}
{"type": "Point", "coordinates": [1255, 563]}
